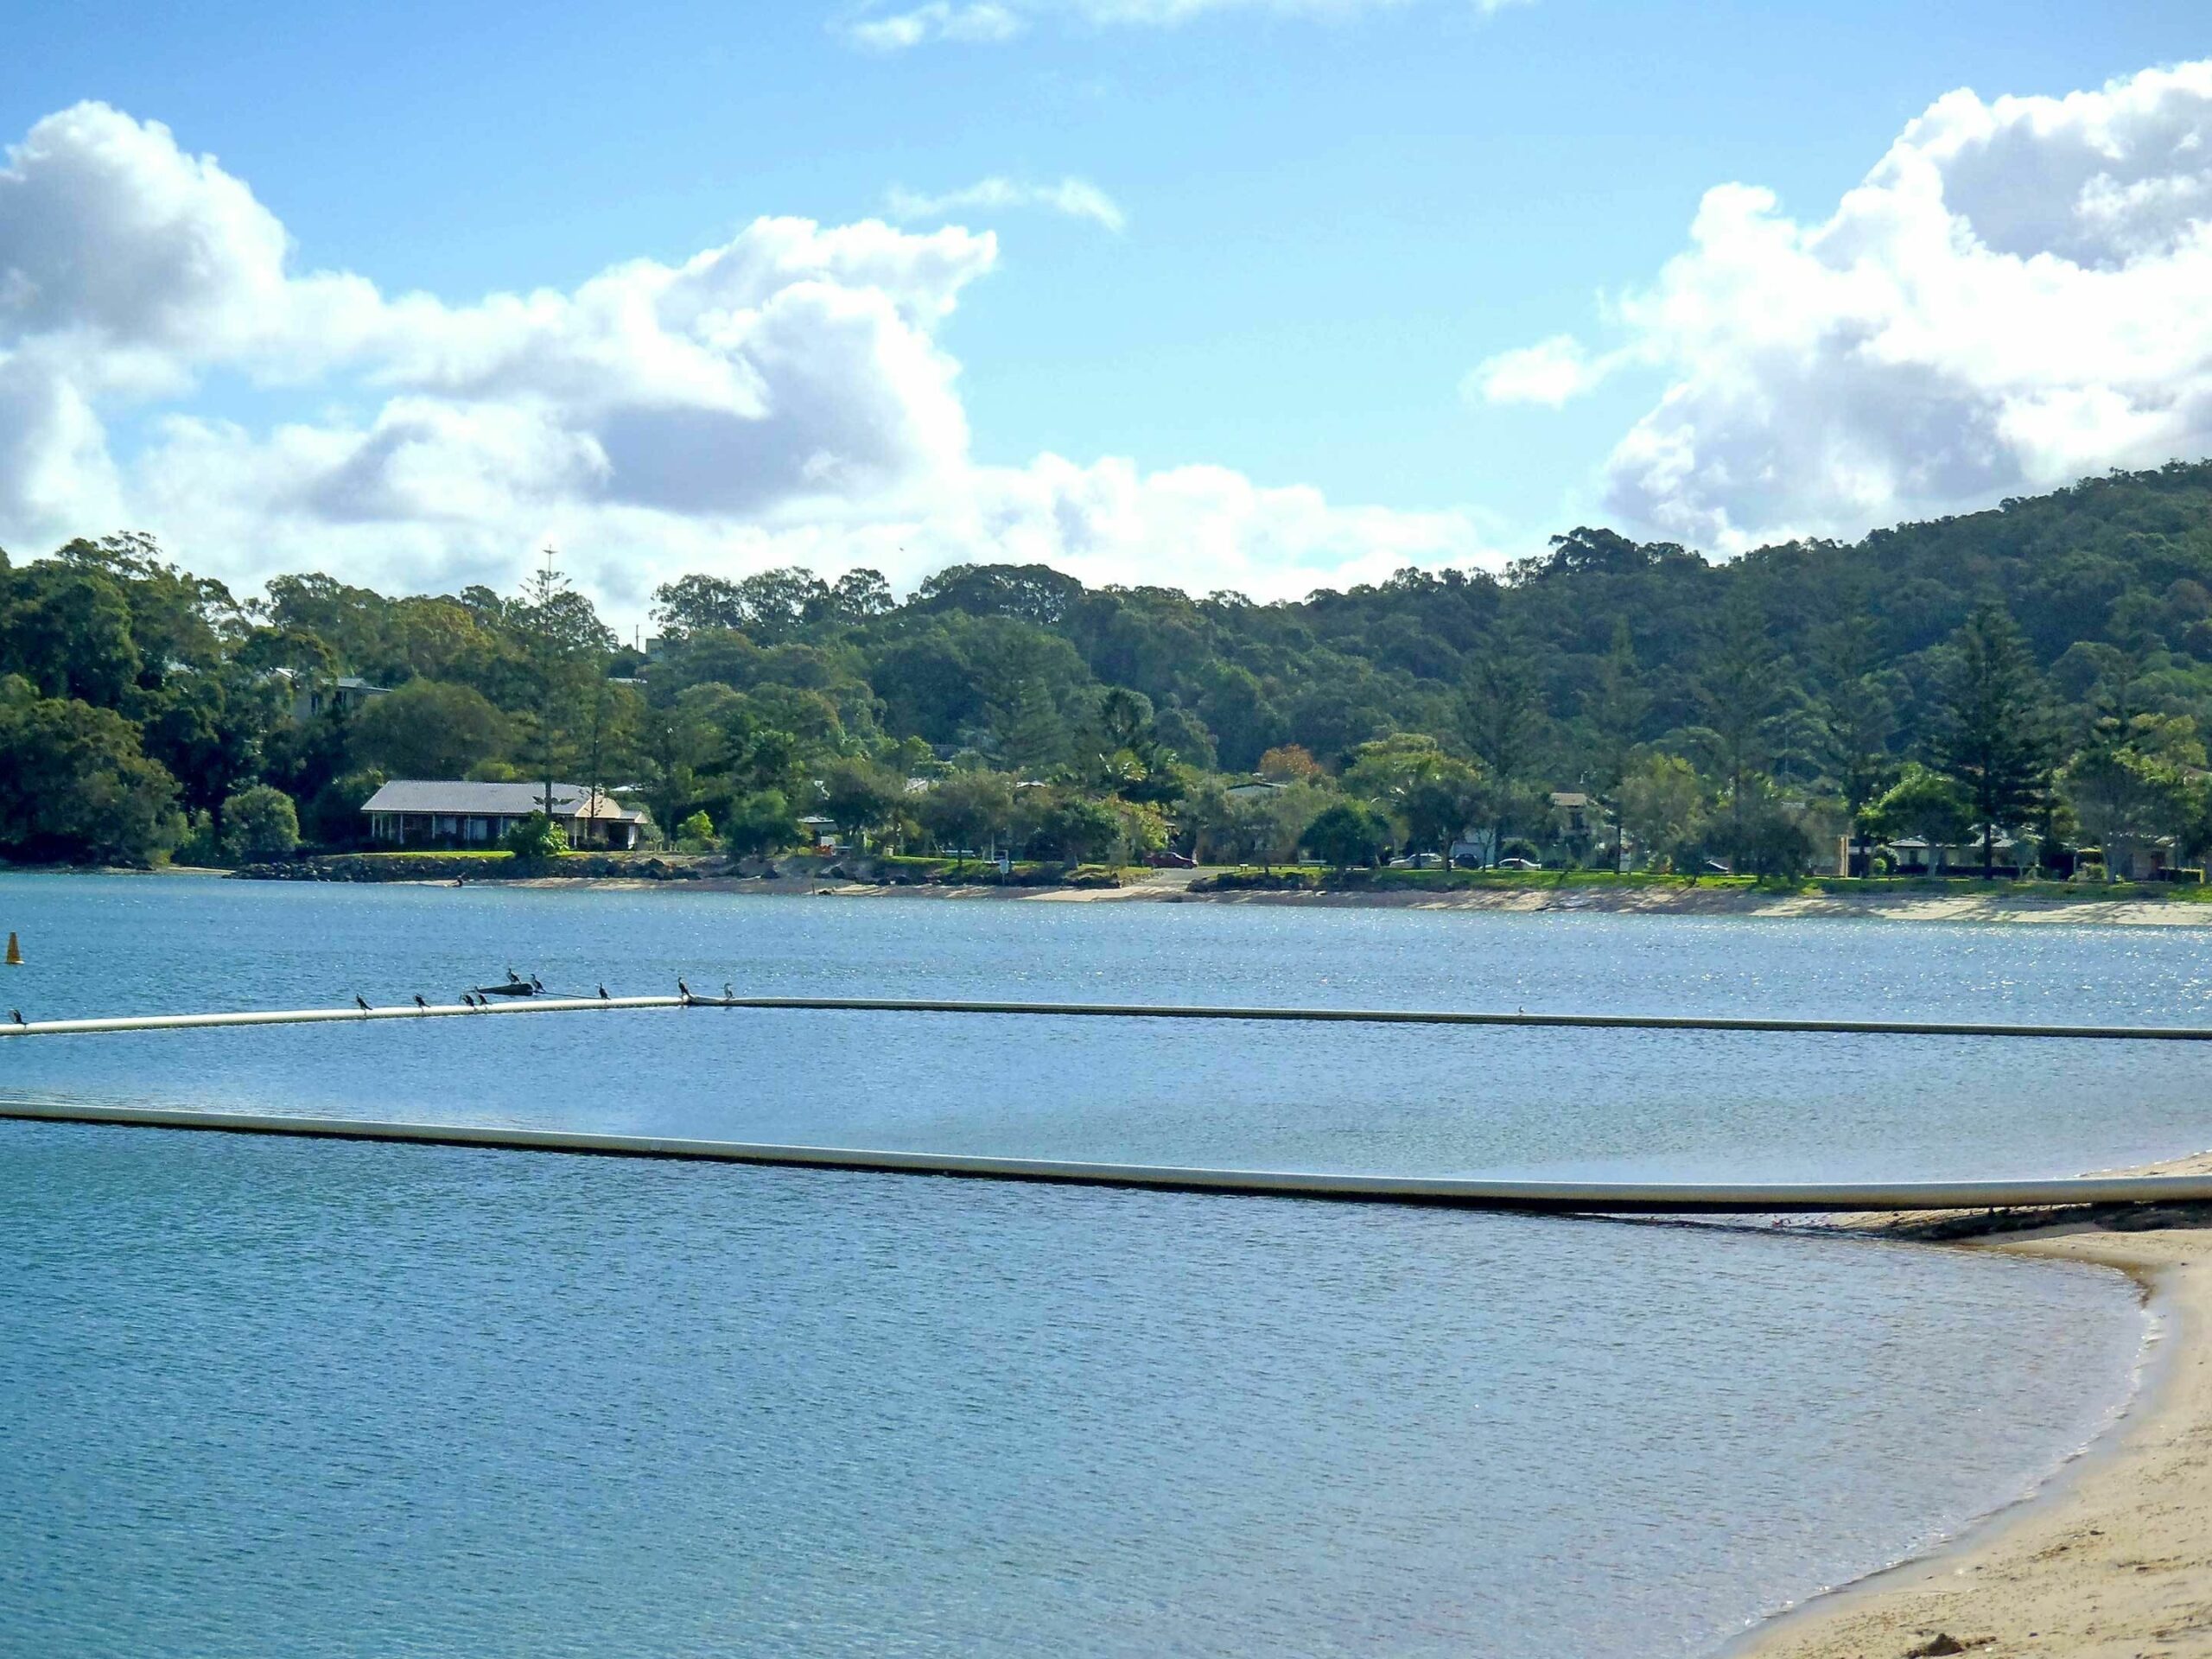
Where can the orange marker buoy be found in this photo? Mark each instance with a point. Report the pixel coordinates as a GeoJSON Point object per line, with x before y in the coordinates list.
{"type": "Point", "coordinates": [15, 952]}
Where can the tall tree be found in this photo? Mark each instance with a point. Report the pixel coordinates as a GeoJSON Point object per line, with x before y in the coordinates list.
{"type": "Point", "coordinates": [1994, 739]}
{"type": "Point", "coordinates": [969, 810]}
{"type": "Point", "coordinates": [1738, 691]}
{"type": "Point", "coordinates": [567, 646]}
{"type": "Point", "coordinates": [1503, 716]}
{"type": "Point", "coordinates": [1615, 706]}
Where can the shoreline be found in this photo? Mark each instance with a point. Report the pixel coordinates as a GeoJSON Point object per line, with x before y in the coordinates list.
{"type": "Point", "coordinates": [1979, 907]}
{"type": "Point", "coordinates": [2109, 1554]}
{"type": "Point", "coordinates": [1174, 887]}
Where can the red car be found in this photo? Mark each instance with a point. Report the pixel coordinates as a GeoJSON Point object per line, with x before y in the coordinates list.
{"type": "Point", "coordinates": [1171, 861]}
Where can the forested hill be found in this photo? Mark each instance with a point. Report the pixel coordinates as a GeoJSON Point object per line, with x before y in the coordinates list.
{"type": "Point", "coordinates": [1811, 669]}
{"type": "Point", "coordinates": [2124, 563]}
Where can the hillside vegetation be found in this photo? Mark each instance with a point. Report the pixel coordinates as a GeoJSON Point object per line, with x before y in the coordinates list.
{"type": "Point", "coordinates": [2044, 667]}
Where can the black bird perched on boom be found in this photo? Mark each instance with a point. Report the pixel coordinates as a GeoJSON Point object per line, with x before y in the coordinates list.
{"type": "Point", "coordinates": [685, 988]}
{"type": "Point", "coordinates": [419, 1002]}
{"type": "Point", "coordinates": [16, 1014]}
{"type": "Point", "coordinates": [358, 1003]}
{"type": "Point", "coordinates": [603, 995]}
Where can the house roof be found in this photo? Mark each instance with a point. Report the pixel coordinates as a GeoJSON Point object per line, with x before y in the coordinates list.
{"type": "Point", "coordinates": [344, 681]}
{"type": "Point", "coordinates": [462, 799]}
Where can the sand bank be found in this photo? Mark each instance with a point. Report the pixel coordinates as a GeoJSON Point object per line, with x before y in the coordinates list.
{"type": "Point", "coordinates": [1173, 888]}
{"type": "Point", "coordinates": [2115, 1559]}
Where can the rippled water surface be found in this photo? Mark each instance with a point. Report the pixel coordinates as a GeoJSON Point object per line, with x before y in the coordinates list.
{"type": "Point", "coordinates": [265, 1398]}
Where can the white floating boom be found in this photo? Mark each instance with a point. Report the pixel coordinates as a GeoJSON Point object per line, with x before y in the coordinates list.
{"type": "Point", "coordinates": [1115, 1011]}
{"type": "Point", "coordinates": [1583, 1198]}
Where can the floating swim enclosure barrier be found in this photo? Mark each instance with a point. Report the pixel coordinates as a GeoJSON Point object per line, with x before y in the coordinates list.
{"type": "Point", "coordinates": [1587, 1198]}
{"type": "Point", "coordinates": [1114, 1011]}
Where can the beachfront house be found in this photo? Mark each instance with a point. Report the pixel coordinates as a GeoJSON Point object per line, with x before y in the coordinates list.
{"type": "Point", "coordinates": [422, 812]}
{"type": "Point", "coordinates": [2013, 853]}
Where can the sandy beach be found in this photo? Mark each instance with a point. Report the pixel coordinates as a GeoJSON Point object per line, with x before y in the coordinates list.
{"type": "Point", "coordinates": [1173, 886]}
{"type": "Point", "coordinates": [2114, 1559]}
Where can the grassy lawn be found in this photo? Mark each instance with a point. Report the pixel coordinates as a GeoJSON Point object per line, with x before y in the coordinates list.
{"type": "Point", "coordinates": [426, 853]}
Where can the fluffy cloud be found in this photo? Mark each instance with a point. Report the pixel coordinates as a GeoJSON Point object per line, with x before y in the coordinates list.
{"type": "Point", "coordinates": [939, 21]}
{"type": "Point", "coordinates": [783, 397]}
{"type": "Point", "coordinates": [1076, 198]}
{"type": "Point", "coordinates": [1548, 373]}
{"type": "Point", "coordinates": [2013, 296]}
{"type": "Point", "coordinates": [993, 20]}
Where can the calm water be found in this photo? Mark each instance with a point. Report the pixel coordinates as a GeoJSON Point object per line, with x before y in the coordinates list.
{"type": "Point", "coordinates": [261, 1398]}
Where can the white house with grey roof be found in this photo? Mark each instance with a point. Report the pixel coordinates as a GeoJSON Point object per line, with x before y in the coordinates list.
{"type": "Point", "coordinates": [416, 813]}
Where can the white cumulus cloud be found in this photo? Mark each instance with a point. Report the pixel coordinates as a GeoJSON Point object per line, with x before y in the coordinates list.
{"type": "Point", "coordinates": [782, 397]}
{"type": "Point", "coordinates": [1075, 198]}
{"type": "Point", "coordinates": [1549, 372]}
{"type": "Point", "coordinates": [2013, 296]}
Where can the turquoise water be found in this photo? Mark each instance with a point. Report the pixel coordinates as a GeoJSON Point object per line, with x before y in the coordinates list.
{"type": "Point", "coordinates": [265, 1398]}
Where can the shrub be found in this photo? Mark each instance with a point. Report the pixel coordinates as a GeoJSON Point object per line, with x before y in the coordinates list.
{"type": "Point", "coordinates": [536, 839]}
{"type": "Point", "coordinates": [259, 823]}
{"type": "Point", "coordinates": [761, 824]}
{"type": "Point", "coordinates": [1349, 833]}
{"type": "Point", "coordinates": [201, 847]}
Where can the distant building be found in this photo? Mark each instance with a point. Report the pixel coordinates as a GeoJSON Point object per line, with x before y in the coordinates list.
{"type": "Point", "coordinates": [1577, 813]}
{"type": "Point", "coordinates": [415, 812]}
{"type": "Point", "coordinates": [2011, 854]}
{"type": "Point", "coordinates": [311, 695]}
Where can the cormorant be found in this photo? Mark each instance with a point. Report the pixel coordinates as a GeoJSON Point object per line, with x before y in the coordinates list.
{"type": "Point", "coordinates": [603, 995]}
{"type": "Point", "coordinates": [685, 988]}
{"type": "Point", "coordinates": [16, 1014]}
{"type": "Point", "coordinates": [728, 995]}
{"type": "Point", "coordinates": [535, 983]}
{"type": "Point", "coordinates": [358, 1003]}
{"type": "Point", "coordinates": [419, 1002]}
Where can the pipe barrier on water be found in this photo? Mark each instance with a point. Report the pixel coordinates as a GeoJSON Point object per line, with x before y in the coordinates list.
{"type": "Point", "coordinates": [1569, 1198]}
{"type": "Point", "coordinates": [1118, 1011]}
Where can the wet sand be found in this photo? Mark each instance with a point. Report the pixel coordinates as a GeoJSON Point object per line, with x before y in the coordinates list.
{"type": "Point", "coordinates": [2113, 1558]}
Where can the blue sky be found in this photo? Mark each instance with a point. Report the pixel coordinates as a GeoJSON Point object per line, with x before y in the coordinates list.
{"type": "Point", "coordinates": [1334, 213]}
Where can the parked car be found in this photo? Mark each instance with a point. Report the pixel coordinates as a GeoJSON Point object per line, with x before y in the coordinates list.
{"type": "Point", "coordinates": [1518, 864]}
{"type": "Point", "coordinates": [1416, 862]}
{"type": "Point", "coordinates": [1165, 861]}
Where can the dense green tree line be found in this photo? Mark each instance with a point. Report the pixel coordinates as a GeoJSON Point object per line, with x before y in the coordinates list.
{"type": "Point", "coordinates": [2044, 667]}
